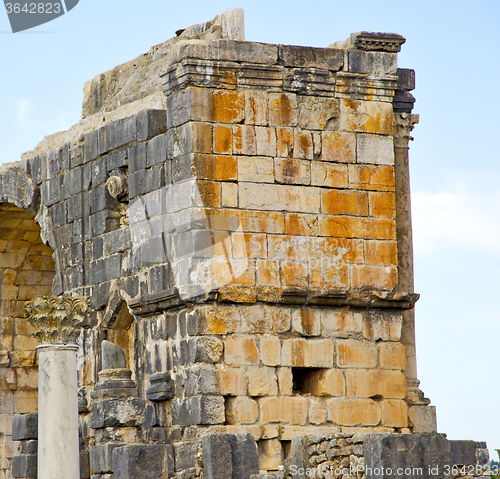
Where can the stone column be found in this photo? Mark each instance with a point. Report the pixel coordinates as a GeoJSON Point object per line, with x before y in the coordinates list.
{"type": "Point", "coordinates": [404, 123]}
{"type": "Point", "coordinates": [422, 417]}
{"type": "Point", "coordinates": [57, 321]}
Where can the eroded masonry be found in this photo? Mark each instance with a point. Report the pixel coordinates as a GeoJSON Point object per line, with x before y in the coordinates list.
{"type": "Point", "coordinates": [223, 245]}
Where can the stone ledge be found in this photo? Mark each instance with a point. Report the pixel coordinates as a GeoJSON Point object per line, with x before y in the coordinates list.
{"type": "Point", "coordinates": [151, 304]}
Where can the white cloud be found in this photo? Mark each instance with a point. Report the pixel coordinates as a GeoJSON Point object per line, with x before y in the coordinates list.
{"type": "Point", "coordinates": [464, 215]}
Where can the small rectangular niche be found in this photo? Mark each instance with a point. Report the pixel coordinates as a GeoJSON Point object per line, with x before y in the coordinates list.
{"type": "Point", "coordinates": [303, 379]}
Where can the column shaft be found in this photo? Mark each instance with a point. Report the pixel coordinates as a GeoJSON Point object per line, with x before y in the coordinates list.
{"type": "Point", "coordinates": [58, 445]}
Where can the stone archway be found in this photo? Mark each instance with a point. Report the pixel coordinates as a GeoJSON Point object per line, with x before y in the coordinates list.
{"type": "Point", "coordinates": [27, 269]}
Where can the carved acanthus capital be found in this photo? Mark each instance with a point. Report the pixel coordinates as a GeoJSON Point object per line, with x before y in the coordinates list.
{"type": "Point", "coordinates": [57, 319]}
{"type": "Point", "coordinates": [404, 124]}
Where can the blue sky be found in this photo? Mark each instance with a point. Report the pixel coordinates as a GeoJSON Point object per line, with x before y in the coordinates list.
{"type": "Point", "coordinates": [455, 167]}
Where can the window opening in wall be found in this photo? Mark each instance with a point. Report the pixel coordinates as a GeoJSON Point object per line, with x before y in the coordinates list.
{"type": "Point", "coordinates": [303, 379]}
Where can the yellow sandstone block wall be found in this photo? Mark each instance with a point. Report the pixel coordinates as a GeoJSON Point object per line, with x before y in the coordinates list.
{"type": "Point", "coordinates": [27, 270]}
{"type": "Point", "coordinates": [314, 196]}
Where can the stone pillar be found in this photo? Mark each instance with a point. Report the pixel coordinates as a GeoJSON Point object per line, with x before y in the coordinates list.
{"type": "Point", "coordinates": [422, 417]}
{"type": "Point", "coordinates": [404, 123]}
{"type": "Point", "coordinates": [56, 320]}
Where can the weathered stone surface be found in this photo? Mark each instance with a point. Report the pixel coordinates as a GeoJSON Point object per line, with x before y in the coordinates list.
{"type": "Point", "coordinates": [112, 356]}
{"type": "Point", "coordinates": [374, 149]}
{"type": "Point", "coordinates": [422, 418]}
{"type": "Point", "coordinates": [424, 454]}
{"type": "Point", "coordinates": [143, 461]}
{"type": "Point", "coordinates": [101, 458]}
{"type": "Point", "coordinates": [379, 63]}
{"type": "Point", "coordinates": [229, 456]}
{"type": "Point", "coordinates": [25, 427]}
{"type": "Point", "coordinates": [118, 412]}
{"type": "Point", "coordinates": [24, 466]}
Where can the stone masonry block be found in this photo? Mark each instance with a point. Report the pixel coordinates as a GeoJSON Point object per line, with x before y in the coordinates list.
{"type": "Point", "coordinates": [353, 411]}
{"type": "Point", "coordinates": [255, 196]}
{"type": "Point", "coordinates": [424, 454]}
{"type": "Point", "coordinates": [262, 381]}
{"type": "Point", "coordinates": [101, 458]}
{"type": "Point", "coordinates": [341, 323]}
{"type": "Point", "coordinates": [422, 418]}
{"type": "Point", "coordinates": [241, 410]}
{"type": "Point", "coordinates": [338, 147]}
{"type": "Point", "coordinates": [382, 325]}
{"type": "Point", "coordinates": [366, 116]}
{"type": "Point", "coordinates": [317, 411]}
{"type": "Point", "coordinates": [217, 457]}
{"type": "Point", "coordinates": [374, 149]}
{"type": "Point", "coordinates": [328, 382]}
{"type": "Point", "coordinates": [256, 110]}
{"type": "Point", "coordinates": [244, 142]}
{"type": "Point", "coordinates": [143, 462]}
{"type": "Point", "coordinates": [356, 354]}
{"type": "Point", "coordinates": [229, 456]}
{"type": "Point", "coordinates": [308, 57]}
{"type": "Point", "coordinates": [270, 454]}
{"type": "Point", "coordinates": [240, 351]}
{"type": "Point", "coordinates": [303, 145]}
{"type": "Point", "coordinates": [206, 349]}
{"type": "Point", "coordinates": [306, 322]}
{"type": "Point", "coordinates": [266, 141]}
{"type": "Point", "coordinates": [291, 171]}
{"type": "Point", "coordinates": [370, 382]}
{"type": "Point", "coordinates": [307, 353]}
{"type": "Point", "coordinates": [228, 106]}
{"type": "Point", "coordinates": [394, 413]}
{"type": "Point", "coordinates": [25, 427]}
{"type": "Point", "coordinates": [378, 63]}
{"type": "Point", "coordinates": [374, 277]}
{"type": "Point", "coordinates": [255, 169]}
{"type": "Point", "coordinates": [392, 356]}
{"type": "Point", "coordinates": [328, 174]}
{"type": "Point", "coordinates": [198, 410]}
{"type": "Point", "coordinates": [283, 109]}
{"type": "Point", "coordinates": [467, 452]}
{"type": "Point", "coordinates": [225, 50]}
{"type": "Point", "coordinates": [283, 409]}
{"type": "Point", "coordinates": [24, 466]}
{"type": "Point", "coordinates": [344, 202]}
{"type": "Point", "coordinates": [232, 381]}
{"type": "Point", "coordinates": [149, 123]}
{"type": "Point", "coordinates": [118, 412]}
{"type": "Point", "coordinates": [185, 454]}
{"type": "Point", "coordinates": [285, 381]}
{"type": "Point", "coordinates": [317, 113]}
{"type": "Point", "coordinates": [270, 350]}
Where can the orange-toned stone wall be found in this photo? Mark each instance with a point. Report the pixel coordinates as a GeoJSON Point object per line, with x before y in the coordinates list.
{"type": "Point", "coordinates": [27, 270]}
{"type": "Point", "coordinates": [311, 343]}
{"type": "Point", "coordinates": [311, 180]}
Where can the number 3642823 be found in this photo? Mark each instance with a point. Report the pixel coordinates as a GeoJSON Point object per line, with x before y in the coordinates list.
{"type": "Point", "coordinates": [34, 7]}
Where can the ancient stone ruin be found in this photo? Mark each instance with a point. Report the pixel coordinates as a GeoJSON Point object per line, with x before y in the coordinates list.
{"type": "Point", "coordinates": [211, 274]}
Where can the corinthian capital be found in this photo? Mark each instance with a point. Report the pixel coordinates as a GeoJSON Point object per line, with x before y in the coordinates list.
{"type": "Point", "coordinates": [57, 319]}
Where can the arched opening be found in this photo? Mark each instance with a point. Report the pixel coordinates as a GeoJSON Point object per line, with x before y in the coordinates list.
{"type": "Point", "coordinates": [27, 270]}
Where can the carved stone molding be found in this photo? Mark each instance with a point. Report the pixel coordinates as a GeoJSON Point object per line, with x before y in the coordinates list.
{"type": "Point", "coordinates": [57, 319]}
{"type": "Point", "coordinates": [377, 41]}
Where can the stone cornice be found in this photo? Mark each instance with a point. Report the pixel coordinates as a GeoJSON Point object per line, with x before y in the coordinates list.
{"type": "Point", "coordinates": [57, 320]}
{"type": "Point", "coordinates": [377, 42]}
{"type": "Point", "coordinates": [152, 304]}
